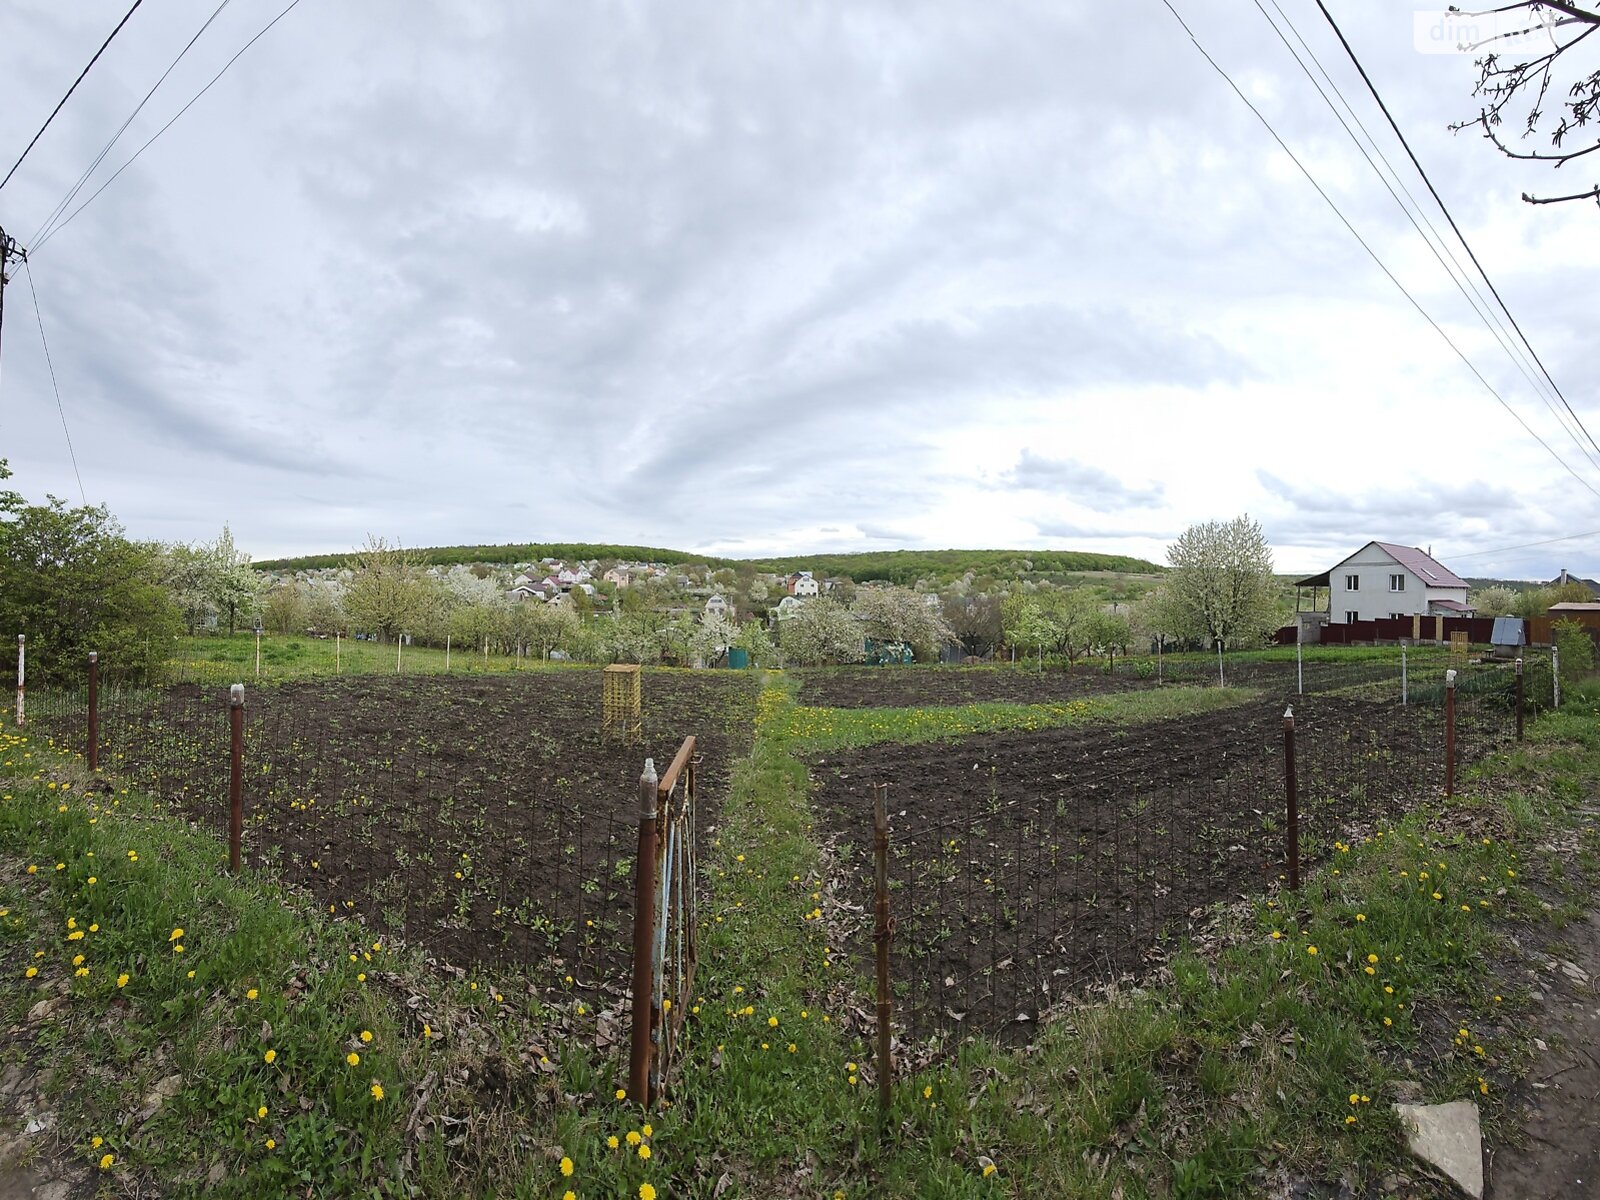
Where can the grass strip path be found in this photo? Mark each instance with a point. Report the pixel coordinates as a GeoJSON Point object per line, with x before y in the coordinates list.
{"type": "Point", "coordinates": [816, 730]}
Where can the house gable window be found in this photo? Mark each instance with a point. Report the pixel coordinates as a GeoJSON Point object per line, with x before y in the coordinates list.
{"type": "Point", "coordinates": [1397, 583]}
{"type": "Point", "coordinates": [1352, 583]}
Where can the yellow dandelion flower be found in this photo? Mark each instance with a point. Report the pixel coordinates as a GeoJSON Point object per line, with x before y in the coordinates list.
{"type": "Point", "coordinates": [106, 1160]}
{"type": "Point", "coordinates": [251, 994]}
{"type": "Point", "coordinates": [122, 980]}
{"type": "Point", "coordinates": [644, 1151]}
{"type": "Point", "coordinates": [377, 1091]}
{"type": "Point", "coordinates": [353, 1059]}
{"type": "Point", "coordinates": [633, 1138]}
{"type": "Point", "coordinates": [271, 1144]}
{"type": "Point", "coordinates": [646, 1192]}
{"type": "Point", "coordinates": [270, 1056]}
{"type": "Point", "coordinates": [612, 1142]}
{"type": "Point", "coordinates": [566, 1167]}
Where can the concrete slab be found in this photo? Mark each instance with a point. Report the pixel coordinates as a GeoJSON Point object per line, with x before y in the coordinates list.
{"type": "Point", "coordinates": [1447, 1137]}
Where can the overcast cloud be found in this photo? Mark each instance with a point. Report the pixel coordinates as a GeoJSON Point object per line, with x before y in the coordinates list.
{"type": "Point", "coordinates": [765, 277]}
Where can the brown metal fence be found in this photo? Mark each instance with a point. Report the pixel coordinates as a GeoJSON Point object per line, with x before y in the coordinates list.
{"type": "Point", "coordinates": [666, 921]}
{"type": "Point", "coordinates": [485, 819]}
{"type": "Point", "coordinates": [1023, 867]}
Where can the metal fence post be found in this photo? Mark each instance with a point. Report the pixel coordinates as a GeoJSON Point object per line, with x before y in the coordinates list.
{"type": "Point", "coordinates": [235, 774]}
{"type": "Point", "coordinates": [644, 894]}
{"type": "Point", "coordinates": [1221, 682]}
{"type": "Point", "coordinates": [94, 711]}
{"type": "Point", "coordinates": [880, 937]}
{"type": "Point", "coordinates": [1290, 781]}
{"type": "Point", "coordinates": [1449, 733]}
{"type": "Point", "coordinates": [1519, 698]}
{"type": "Point", "coordinates": [22, 659]}
{"type": "Point", "coordinates": [1404, 681]}
{"type": "Point", "coordinates": [1299, 663]}
{"type": "Point", "coordinates": [1555, 678]}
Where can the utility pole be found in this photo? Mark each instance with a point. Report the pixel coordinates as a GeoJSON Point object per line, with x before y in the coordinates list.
{"type": "Point", "coordinates": [10, 251]}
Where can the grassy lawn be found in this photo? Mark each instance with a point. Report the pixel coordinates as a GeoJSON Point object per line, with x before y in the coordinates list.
{"type": "Point", "coordinates": [1272, 1047]}
{"type": "Point", "coordinates": [811, 730]}
{"type": "Point", "coordinates": [290, 656]}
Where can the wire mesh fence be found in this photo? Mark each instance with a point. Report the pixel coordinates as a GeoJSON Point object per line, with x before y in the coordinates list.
{"type": "Point", "coordinates": [489, 820]}
{"type": "Point", "coordinates": [1024, 866]}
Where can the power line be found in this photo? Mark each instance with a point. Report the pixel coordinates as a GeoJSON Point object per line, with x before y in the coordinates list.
{"type": "Point", "coordinates": [67, 221]}
{"type": "Point", "coordinates": [121, 129]}
{"type": "Point", "coordinates": [1343, 41]}
{"type": "Point", "coordinates": [1478, 302]}
{"type": "Point", "coordinates": [68, 96]}
{"type": "Point", "coordinates": [60, 408]}
{"type": "Point", "coordinates": [1372, 253]}
{"type": "Point", "coordinates": [1571, 537]}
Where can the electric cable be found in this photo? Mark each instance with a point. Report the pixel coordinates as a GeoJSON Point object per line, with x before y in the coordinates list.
{"type": "Point", "coordinates": [68, 96]}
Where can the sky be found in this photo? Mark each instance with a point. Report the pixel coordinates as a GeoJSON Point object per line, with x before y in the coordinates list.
{"type": "Point", "coordinates": [766, 278]}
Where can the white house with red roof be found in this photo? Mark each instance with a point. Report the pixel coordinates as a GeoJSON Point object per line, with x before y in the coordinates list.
{"type": "Point", "coordinates": [1383, 579]}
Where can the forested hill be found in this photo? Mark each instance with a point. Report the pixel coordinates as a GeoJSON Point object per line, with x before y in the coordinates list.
{"type": "Point", "coordinates": [446, 556]}
{"type": "Point", "coordinates": [896, 566]}
{"type": "Point", "coordinates": [908, 566]}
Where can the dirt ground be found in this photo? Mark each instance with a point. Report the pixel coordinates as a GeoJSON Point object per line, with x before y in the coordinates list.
{"type": "Point", "coordinates": [1027, 864]}
{"type": "Point", "coordinates": [1556, 1149]}
{"type": "Point", "coordinates": [488, 819]}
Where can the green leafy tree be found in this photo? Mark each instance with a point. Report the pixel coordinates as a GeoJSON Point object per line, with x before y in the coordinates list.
{"type": "Point", "coordinates": [284, 610]}
{"type": "Point", "coordinates": [755, 641]}
{"type": "Point", "coordinates": [1576, 649]}
{"type": "Point", "coordinates": [73, 583]}
{"type": "Point", "coordinates": [389, 592]}
{"type": "Point", "coordinates": [1026, 626]}
{"type": "Point", "coordinates": [1532, 602]}
{"type": "Point", "coordinates": [1220, 583]}
{"type": "Point", "coordinates": [1070, 614]}
{"type": "Point", "coordinates": [477, 625]}
{"type": "Point", "coordinates": [1157, 618]}
{"type": "Point", "coordinates": [1108, 633]}
{"type": "Point", "coordinates": [542, 628]}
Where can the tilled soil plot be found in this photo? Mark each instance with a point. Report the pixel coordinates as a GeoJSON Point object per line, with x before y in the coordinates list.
{"type": "Point", "coordinates": [1025, 865]}
{"type": "Point", "coordinates": [932, 687]}
{"type": "Point", "coordinates": [488, 819]}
